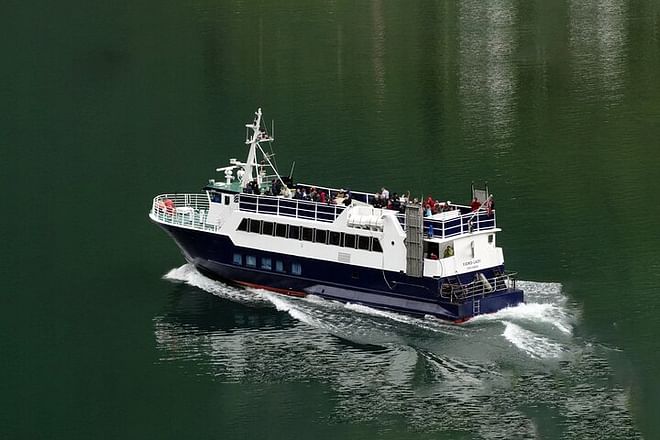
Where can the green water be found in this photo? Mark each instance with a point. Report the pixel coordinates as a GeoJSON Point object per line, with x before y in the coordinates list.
{"type": "Point", "coordinates": [103, 106]}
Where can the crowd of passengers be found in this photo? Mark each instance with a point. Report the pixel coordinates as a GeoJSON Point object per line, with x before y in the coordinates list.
{"type": "Point", "coordinates": [430, 206]}
{"type": "Point", "coordinates": [382, 198]}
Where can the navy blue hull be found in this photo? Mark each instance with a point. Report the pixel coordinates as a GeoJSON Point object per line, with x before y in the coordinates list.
{"type": "Point", "coordinates": [217, 257]}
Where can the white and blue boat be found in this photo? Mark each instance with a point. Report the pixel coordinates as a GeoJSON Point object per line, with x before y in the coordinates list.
{"type": "Point", "coordinates": [256, 228]}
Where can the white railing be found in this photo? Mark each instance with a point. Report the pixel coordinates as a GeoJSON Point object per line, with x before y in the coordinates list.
{"type": "Point", "coordinates": [185, 210]}
{"type": "Point", "coordinates": [287, 207]}
{"type": "Point", "coordinates": [478, 288]}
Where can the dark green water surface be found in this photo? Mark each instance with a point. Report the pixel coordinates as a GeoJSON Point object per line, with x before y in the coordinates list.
{"type": "Point", "coordinates": [105, 333]}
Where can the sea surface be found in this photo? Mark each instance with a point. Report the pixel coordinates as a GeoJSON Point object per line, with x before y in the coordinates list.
{"type": "Point", "coordinates": [106, 332]}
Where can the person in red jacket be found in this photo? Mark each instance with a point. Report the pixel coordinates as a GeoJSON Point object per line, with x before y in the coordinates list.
{"type": "Point", "coordinates": [475, 204]}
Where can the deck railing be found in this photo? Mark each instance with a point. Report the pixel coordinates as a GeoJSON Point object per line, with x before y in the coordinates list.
{"type": "Point", "coordinates": [478, 288]}
{"type": "Point", "coordinates": [289, 207]}
{"type": "Point", "coordinates": [187, 210]}
{"type": "Point", "coordinates": [465, 222]}
{"type": "Point", "coordinates": [462, 224]}
{"type": "Point", "coordinates": [191, 210]}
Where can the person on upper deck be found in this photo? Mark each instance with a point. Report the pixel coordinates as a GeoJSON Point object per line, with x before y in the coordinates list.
{"type": "Point", "coordinates": [490, 205]}
{"type": "Point", "coordinates": [348, 199]}
{"type": "Point", "coordinates": [384, 193]}
{"type": "Point", "coordinates": [475, 204]}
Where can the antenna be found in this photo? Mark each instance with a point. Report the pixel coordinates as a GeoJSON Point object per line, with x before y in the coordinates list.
{"type": "Point", "coordinates": [272, 128]}
{"type": "Point", "coordinates": [293, 165]}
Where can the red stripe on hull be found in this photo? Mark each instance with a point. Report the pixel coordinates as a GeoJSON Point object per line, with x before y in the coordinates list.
{"type": "Point", "coordinates": [286, 292]}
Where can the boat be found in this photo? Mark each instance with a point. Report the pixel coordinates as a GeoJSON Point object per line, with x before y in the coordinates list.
{"type": "Point", "coordinates": [257, 228]}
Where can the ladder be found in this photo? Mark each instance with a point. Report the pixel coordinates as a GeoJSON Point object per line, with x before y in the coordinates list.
{"type": "Point", "coordinates": [414, 240]}
{"type": "Point", "coordinates": [476, 307]}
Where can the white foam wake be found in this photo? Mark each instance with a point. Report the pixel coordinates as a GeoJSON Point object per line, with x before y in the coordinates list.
{"type": "Point", "coordinates": [550, 314]}
{"type": "Point", "coordinates": [535, 345]}
{"type": "Point", "coordinates": [189, 275]}
{"type": "Point", "coordinates": [343, 319]}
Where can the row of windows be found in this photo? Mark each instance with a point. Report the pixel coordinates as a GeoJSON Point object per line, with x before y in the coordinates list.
{"type": "Point", "coordinates": [266, 264]}
{"type": "Point", "coordinates": [311, 234]}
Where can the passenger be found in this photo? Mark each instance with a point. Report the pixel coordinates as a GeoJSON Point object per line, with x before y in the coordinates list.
{"type": "Point", "coordinates": [427, 211]}
{"type": "Point", "coordinates": [475, 205]}
{"type": "Point", "coordinates": [433, 256]}
{"type": "Point", "coordinates": [322, 197]}
{"type": "Point", "coordinates": [348, 199]}
{"type": "Point", "coordinates": [385, 193]}
{"type": "Point", "coordinates": [449, 252]}
{"type": "Point", "coordinates": [396, 204]}
{"type": "Point", "coordinates": [430, 201]}
{"type": "Point", "coordinates": [339, 199]}
{"type": "Point", "coordinates": [490, 205]}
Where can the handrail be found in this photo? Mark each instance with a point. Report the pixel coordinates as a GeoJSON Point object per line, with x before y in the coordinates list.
{"type": "Point", "coordinates": [326, 212]}
{"type": "Point", "coordinates": [456, 226]}
{"type": "Point", "coordinates": [283, 206]}
{"type": "Point", "coordinates": [478, 288]}
{"type": "Point", "coordinates": [186, 210]}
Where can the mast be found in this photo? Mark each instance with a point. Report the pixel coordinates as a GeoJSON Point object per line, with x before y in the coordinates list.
{"type": "Point", "coordinates": [252, 167]}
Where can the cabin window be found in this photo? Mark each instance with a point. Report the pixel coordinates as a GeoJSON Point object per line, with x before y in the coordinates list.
{"type": "Point", "coordinates": [255, 226]}
{"type": "Point", "coordinates": [349, 241]}
{"type": "Point", "coordinates": [491, 238]}
{"type": "Point", "coordinates": [320, 236]}
{"type": "Point", "coordinates": [334, 238]}
{"type": "Point", "coordinates": [251, 261]}
{"type": "Point", "coordinates": [279, 266]}
{"type": "Point", "coordinates": [355, 275]}
{"type": "Point", "coordinates": [363, 243]}
{"type": "Point", "coordinates": [296, 269]}
{"type": "Point", "coordinates": [266, 263]}
{"type": "Point", "coordinates": [308, 234]}
{"type": "Point", "coordinates": [280, 230]}
{"type": "Point", "coordinates": [244, 225]}
{"type": "Point", "coordinates": [294, 232]}
{"type": "Point", "coordinates": [238, 259]}
{"type": "Point", "coordinates": [267, 228]}
{"type": "Point", "coordinates": [227, 199]}
{"type": "Point", "coordinates": [375, 245]}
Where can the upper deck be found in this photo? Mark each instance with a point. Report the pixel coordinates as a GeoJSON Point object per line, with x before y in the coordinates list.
{"type": "Point", "coordinates": [191, 211]}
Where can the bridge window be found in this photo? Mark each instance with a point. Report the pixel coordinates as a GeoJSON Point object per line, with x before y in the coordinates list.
{"type": "Point", "coordinates": [334, 238]}
{"type": "Point", "coordinates": [280, 230]}
{"type": "Point", "coordinates": [244, 225]}
{"type": "Point", "coordinates": [251, 261]}
{"type": "Point", "coordinates": [296, 269]}
{"type": "Point", "coordinates": [363, 242]}
{"type": "Point", "coordinates": [267, 228]}
{"type": "Point", "coordinates": [227, 199]}
{"type": "Point", "coordinates": [308, 234]}
{"type": "Point", "coordinates": [255, 226]}
{"type": "Point", "coordinates": [294, 232]}
{"type": "Point", "coordinates": [321, 236]}
{"type": "Point", "coordinates": [266, 263]}
{"type": "Point", "coordinates": [375, 245]}
{"type": "Point", "coordinates": [349, 241]}
{"type": "Point", "coordinates": [238, 259]}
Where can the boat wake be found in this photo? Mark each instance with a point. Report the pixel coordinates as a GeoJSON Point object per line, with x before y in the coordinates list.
{"type": "Point", "coordinates": [384, 366]}
{"type": "Point", "coordinates": [356, 321]}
